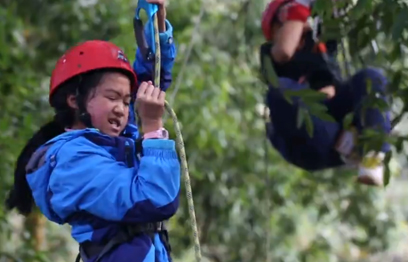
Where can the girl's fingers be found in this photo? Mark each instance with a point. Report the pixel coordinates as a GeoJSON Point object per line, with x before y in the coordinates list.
{"type": "Point", "coordinates": [156, 93]}
{"type": "Point", "coordinates": [162, 96]}
{"type": "Point", "coordinates": [142, 89]}
{"type": "Point", "coordinates": [149, 91]}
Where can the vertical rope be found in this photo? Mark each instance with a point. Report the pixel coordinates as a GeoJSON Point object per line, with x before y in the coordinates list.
{"type": "Point", "coordinates": [180, 146]}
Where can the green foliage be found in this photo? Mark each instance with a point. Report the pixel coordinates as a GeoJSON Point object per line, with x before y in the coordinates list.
{"type": "Point", "coordinates": [251, 205]}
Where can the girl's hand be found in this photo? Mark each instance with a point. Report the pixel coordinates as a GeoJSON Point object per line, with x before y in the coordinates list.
{"type": "Point", "coordinates": [161, 15]}
{"type": "Point", "coordinates": [330, 91]}
{"type": "Point", "coordinates": [150, 106]}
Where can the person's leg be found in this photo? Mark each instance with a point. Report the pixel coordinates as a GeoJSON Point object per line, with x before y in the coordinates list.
{"type": "Point", "coordinates": [295, 144]}
{"type": "Point", "coordinates": [339, 107]}
{"type": "Point", "coordinates": [342, 103]}
{"type": "Point", "coordinates": [371, 169]}
{"type": "Point", "coordinates": [354, 94]}
{"type": "Point", "coordinates": [370, 117]}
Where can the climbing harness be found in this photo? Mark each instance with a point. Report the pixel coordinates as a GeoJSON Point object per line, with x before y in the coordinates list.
{"type": "Point", "coordinates": [153, 54]}
{"type": "Point", "coordinates": [88, 249]}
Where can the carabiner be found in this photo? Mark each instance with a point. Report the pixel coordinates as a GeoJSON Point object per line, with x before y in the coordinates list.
{"type": "Point", "coordinates": [148, 52]}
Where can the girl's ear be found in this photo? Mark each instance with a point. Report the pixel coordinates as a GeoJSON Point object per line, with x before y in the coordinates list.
{"type": "Point", "coordinates": [71, 101]}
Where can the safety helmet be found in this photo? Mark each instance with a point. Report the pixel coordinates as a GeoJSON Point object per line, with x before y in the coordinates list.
{"type": "Point", "coordinates": [268, 15]}
{"type": "Point", "coordinates": [88, 56]}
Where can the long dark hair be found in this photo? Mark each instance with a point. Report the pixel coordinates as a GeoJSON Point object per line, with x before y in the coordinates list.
{"type": "Point", "coordinates": [81, 86]}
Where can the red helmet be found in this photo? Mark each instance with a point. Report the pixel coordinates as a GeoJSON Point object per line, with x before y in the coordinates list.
{"type": "Point", "coordinates": [268, 15]}
{"type": "Point", "coordinates": [86, 57]}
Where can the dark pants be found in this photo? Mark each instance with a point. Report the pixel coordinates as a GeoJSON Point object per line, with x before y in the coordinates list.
{"type": "Point", "coordinates": [317, 152]}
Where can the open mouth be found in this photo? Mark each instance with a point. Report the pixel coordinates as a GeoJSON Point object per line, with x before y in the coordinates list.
{"type": "Point", "coordinates": [114, 122]}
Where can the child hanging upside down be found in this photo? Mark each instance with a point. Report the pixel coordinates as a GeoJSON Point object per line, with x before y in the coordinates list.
{"type": "Point", "coordinates": [300, 63]}
{"type": "Point", "coordinates": [86, 168]}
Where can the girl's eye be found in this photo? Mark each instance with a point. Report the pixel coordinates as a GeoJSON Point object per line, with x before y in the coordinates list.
{"type": "Point", "coordinates": [127, 103]}
{"type": "Point", "coordinates": [112, 98]}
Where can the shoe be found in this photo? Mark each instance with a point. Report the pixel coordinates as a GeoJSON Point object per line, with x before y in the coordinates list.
{"type": "Point", "coordinates": [371, 169]}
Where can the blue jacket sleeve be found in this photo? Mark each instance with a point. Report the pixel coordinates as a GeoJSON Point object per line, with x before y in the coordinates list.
{"type": "Point", "coordinates": [87, 178]}
{"type": "Point", "coordinates": [144, 69]}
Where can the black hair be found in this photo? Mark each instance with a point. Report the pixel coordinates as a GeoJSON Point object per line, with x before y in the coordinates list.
{"type": "Point", "coordinates": [82, 86]}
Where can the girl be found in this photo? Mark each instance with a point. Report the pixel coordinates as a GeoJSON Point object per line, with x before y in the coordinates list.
{"type": "Point", "coordinates": [299, 61]}
{"type": "Point", "coordinates": [87, 169]}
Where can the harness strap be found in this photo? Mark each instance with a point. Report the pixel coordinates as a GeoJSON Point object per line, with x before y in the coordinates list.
{"type": "Point", "coordinates": [89, 249]}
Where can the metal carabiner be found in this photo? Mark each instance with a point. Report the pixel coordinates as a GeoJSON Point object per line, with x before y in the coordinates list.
{"type": "Point", "coordinates": [148, 52]}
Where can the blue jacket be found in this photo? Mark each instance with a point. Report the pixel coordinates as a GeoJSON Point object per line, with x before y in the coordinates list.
{"type": "Point", "coordinates": [96, 182]}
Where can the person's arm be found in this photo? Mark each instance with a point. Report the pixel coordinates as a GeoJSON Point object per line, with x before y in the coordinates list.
{"type": "Point", "coordinates": [287, 41]}
{"type": "Point", "coordinates": [87, 178]}
{"type": "Point", "coordinates": [293, 17]}
{"type": "Point", "coordinates": [144, 69]}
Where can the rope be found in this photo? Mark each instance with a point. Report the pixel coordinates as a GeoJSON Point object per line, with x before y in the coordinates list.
{"type": "Point", "coordinates": [180, 146]}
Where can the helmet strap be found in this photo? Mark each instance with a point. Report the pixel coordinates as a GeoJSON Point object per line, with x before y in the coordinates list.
{"type": "Point", "coordinates": [84, 116]}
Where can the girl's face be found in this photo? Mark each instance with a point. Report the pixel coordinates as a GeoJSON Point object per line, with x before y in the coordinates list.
{"type": "Point", "coordinates": [108, 104]}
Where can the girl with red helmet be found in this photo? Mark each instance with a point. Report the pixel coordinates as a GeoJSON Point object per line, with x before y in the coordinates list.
{"type": "Point", "coordinates": [87, 168]}
{"type": "Point", "coordinates": [301, 62]}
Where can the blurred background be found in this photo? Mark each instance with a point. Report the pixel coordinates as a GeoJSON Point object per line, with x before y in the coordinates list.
{"type": "Point", "coordinates": [251, 205]}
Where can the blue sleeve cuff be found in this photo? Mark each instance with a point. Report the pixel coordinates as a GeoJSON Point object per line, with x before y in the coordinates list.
{"type": "Point", "coordinates": [161, 148]}
{"type": "Point", "coordinates": [159, 144]}
{"type": "Point", "coordinates": [166, 38]}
